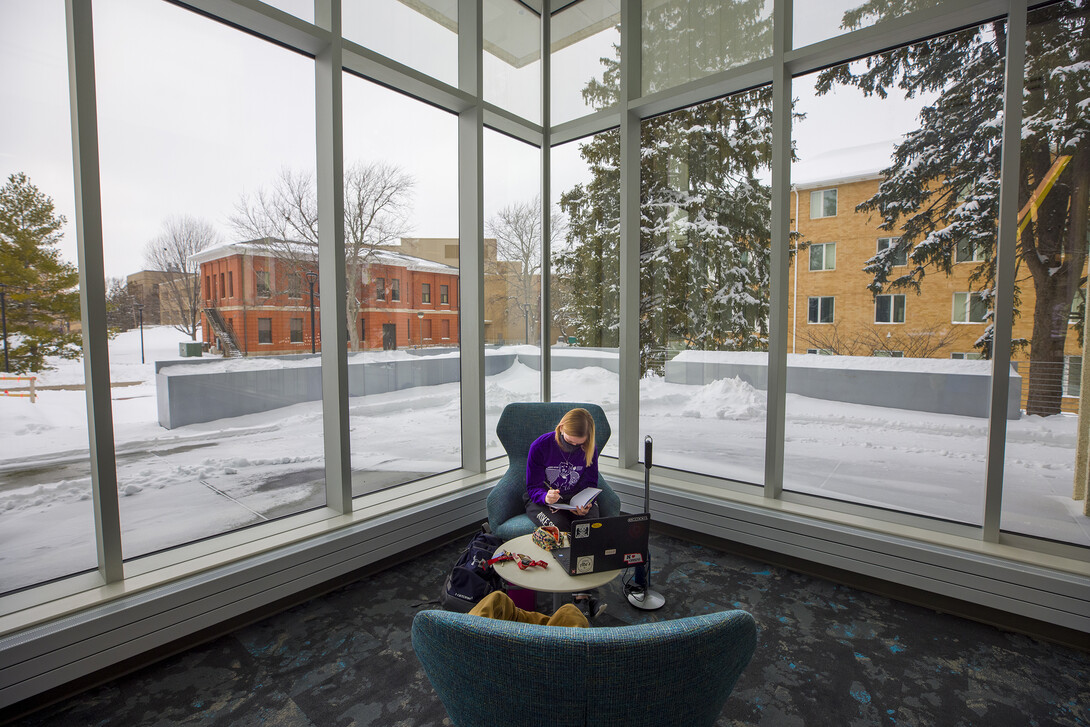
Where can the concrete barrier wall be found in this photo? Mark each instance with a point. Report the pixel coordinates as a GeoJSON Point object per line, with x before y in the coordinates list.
{"type": "Point", "coordinates": [187, 396]}
{"type": "Point", "coordinates": [965, 393]}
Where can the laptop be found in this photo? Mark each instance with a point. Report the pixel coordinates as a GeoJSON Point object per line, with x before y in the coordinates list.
{"type": "Point", "coordinates": [608, 543]}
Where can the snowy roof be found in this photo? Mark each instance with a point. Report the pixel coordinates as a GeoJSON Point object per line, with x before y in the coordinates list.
{"type": "Point", "coordinates": [847, 164]}
{"type": "Point", "coordinates": [305, 250]}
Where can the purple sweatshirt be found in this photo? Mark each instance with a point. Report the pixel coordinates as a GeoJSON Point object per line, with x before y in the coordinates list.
{"type": "Point", "coordinates": [548, 466]}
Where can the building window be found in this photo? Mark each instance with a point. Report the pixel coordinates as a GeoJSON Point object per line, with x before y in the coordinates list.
{"type": "Point", "coordinates": [425, 293]}
{"type": "Point", "coordinates": [823, 256]}
{"type": "Point", "coordinates": [264, 330]}
{"type": "Point", "coordinates": [966, 356]}
{"type": "Point", "coordinates": [444, 295]}
{"type": "Point", "coordinates": [426, 329]}
{"type": "Point", "coordinates": [967, 252]}
{"type": "Point", "coordinates": [889, 309]}
{"type": "Point", "coordinates": [821, 309]}
{"type": "Point", "coordinates": [444, 329]}
{"type": "Point", "coordinates": [295, 285]}
{"type": "Point", "coordinates": [900, 257]}
{"type": "Point", "coordinates": [395, 289]}
{"type": "Point", "coordinates": [889, 354]}
{"type": "Point", "coordinates": [296, 330]}
{"type": "Point", "coordinates": [230, 284]}
{"type": "Point", "coordinates": [821, 351]}
{"type": "Point", "coordinates": [451, 252]}
{"type": "Point", "coordinates": [380, 288]}
{"type": "Point", "coordinates": [969, 308]}
{"type": "Point", "coordinates": [1072, 375]}
{"type": "Point", "coordinates": [264, 288]}
{"type": "Point", "coordinates": [363, 329]}
{"type": "Point", "coordinates": [208, 287]}
{"type": "Point", "coordinates": [822, 203]}
{"type": "Point", "coordinates": [1077, 303]}
{"type": "Point", "coordinates": [223, 285]}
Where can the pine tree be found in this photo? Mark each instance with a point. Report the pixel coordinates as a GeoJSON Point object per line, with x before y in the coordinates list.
{"type": "Point", "coordinates": [942, 188]}
{"type": "Point", "coordinates": [40, 290]}
{"type": "Point", "coordinates": [704, 239]}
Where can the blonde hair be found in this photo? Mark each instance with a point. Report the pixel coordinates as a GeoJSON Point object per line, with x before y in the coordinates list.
{"type": "Point", "coordinates": [578, 423]}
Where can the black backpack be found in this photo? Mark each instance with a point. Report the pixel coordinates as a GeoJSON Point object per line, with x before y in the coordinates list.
{"type": "Point", "coordinates": [471, 578]}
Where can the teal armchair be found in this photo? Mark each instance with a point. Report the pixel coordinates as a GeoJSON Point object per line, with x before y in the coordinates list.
{"type": "Point", "coordinates": [519, 425]}
{"type": "Point", "coordinates": [488, 672]}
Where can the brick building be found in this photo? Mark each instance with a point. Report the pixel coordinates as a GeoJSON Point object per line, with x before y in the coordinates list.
{"type": "Point", "coordinates": [256, 299]}
{"type": "Point", "coordinates": [830, 309]}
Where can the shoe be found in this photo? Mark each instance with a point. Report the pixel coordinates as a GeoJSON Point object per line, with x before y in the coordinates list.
{"type": "Point", "coordinates": [589, 605]}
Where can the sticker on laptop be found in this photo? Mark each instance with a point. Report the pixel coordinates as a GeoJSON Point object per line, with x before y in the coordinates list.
{"type": "Point", "coordinates": [585, 564]}
{"type": "Point", "coordinates": [582, 530]}
{"type": "Point", "coordinates": [633, 558]}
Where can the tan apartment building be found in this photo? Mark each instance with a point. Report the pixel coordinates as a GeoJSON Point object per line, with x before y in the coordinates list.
{"type": "Point", "coordinates": [831, 310]}
{"type": "Point", "coordinates": [164, 295]}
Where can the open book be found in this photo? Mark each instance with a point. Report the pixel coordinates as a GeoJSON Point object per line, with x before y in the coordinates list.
{"type": "Point", "coordinates": [580, 499]}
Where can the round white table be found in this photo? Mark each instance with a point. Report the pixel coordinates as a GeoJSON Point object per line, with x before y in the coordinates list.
{"type": "Point", "coordinates": [554, 579]}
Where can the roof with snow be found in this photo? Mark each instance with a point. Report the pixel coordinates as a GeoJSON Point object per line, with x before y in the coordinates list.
{"type": "Point", "coordinates": [847, 164]}
{"type": "Point", "coordinates": [303, 250]}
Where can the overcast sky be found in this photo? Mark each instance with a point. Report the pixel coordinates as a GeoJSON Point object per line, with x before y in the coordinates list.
{"type": "Point", "coordinates": [193, 114]}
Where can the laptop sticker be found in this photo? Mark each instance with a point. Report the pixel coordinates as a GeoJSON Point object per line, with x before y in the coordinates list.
{"type": "Point", "coordinates": [585, 564]}
{"type": "Point", "coordinates": [582, 530]}
{"type": "Point", "coordinates": [633, 558]}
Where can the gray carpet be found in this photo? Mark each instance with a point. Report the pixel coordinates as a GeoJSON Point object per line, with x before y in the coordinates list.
{"type": "Point", "coordinates": [826, 655]}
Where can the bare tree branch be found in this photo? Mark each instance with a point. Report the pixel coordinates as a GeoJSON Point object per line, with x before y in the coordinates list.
{"type": "Point", "coordinates": [170, 252]}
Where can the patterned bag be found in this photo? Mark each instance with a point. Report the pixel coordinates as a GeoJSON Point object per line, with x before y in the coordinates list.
{"type": "Point", "coordinates": [547, 537]}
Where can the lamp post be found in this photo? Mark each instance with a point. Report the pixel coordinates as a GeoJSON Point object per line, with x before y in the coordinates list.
{"type": "Point", "coordinates": [312, 278]}
{"type": "Point", "coordinates": [140, 313]}
{"type": "Point", "coordinates": [420, 325]}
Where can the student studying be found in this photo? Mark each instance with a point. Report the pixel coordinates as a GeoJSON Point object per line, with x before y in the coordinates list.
{"type": "Point", "coordinates": [561, 466]}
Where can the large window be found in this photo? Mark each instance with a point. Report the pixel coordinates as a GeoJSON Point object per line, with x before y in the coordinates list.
{"type": "Point", "coordinates": [823, 256]}
{"type": "Point", "coordinates": [585, 275]}
{"type": "Point", "coordinates": [512, 277]}
{"type": "Point", "coordinates": [583, 33]}
{"type": "Point", "coordinates": [47, 529]}
{"type": "Point", "coordinates": [400, 196]}
{"type": "Point", "coordinates": [512, 57]}
{"type": "Point", "coordinates": [1041, 473]}
{"type": "Point", "coordinates": [704, 286]}
{"type": "Point", "coordinates": [969, 308]}
{"type": "Point", "coordinates": [426, 41]}
{"type": "Point", "coordinates": [869, 425]}
{"type": "Point", "coordinates": [184, 171]}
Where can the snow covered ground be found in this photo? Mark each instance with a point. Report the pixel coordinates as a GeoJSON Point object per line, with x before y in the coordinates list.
{"type": "Point", "coordinates": [200, 480]}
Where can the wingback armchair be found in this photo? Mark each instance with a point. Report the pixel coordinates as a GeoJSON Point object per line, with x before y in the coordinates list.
{"type": "Point", "coordinates": [519, 425]}
{"type": "Point", "coordinates": [489, 672]}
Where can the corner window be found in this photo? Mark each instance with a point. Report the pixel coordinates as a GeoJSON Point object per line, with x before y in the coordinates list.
{"type": "Point", "coordinates": [296, 330]}
{"type": "Point", "coordinates": [900, 257]}
{"type": "Point", "coordinates": [889, 309]}
{"type": "Point", "coordinates": [425, 293]}
{"type": "Point", "coordinates": [821, 310]}
{"type": "Point", "coordinates": [264, 330]}
{"type": "Point", "coordinates": [823, 256]}
{"type": "Point", "coordinates": [969, 308]}
{"type": "Point", "coordinates": [822, 203]}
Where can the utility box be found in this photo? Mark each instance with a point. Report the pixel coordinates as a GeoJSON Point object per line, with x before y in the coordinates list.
{"type": "Point", "coordinates": [189, 348]}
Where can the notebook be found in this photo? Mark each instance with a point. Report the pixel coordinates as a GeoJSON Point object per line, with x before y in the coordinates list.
{"type": "Point", "coordinates": [608, 543]}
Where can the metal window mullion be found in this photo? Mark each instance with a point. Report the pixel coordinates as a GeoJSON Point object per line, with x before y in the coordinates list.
{"type": "Point", "coordinates": [545, 315]}
{"type": "Point", "coordinates": [471, 236]}
{"type": "Point", "coordinates": [629, 243]}
{"type": "Point", "coordinates": [329, 133]}
{"type": "Point", "coordinates": [1006, 254]}
{"type": "Point", "coordinates": [780, 229]}
{"type": "Point", "coordinates": [92, 287]}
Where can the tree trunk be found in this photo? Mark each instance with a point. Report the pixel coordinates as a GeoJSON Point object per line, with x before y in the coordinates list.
{"type": "Point", "coordinates": [1046, 353]}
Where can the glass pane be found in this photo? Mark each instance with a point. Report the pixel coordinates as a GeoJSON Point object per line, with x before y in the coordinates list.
{"type": "Point", "coordinates": [401, 228]}
{"type": "Point", "coordinates": [299, 8]}
{"type": "Point", "coordinates": [48, 527]}
{"type": "Point", "coordinates": [586, 266]}
{"type": "Point", "coordinates": [512, 57]}
{"type": "Point", "coordinates": [422, 34]}
{"type": "Point", "coordinates": [1047, 443]}
{"type": "Point", "coordinates": [889, 419]}
{"type": "Point", "coordinates": [209, 196]}
{"type": "Point", "coordinates": [684, 40]}
{"type": "Point", "coordinates": [830, 18]}
{"type": "Point", "coordinates": [512, 278]}
{"type": "Point", "coordinates": [585, 74]}
{"type": "Point", "coordinates": [704, 285]}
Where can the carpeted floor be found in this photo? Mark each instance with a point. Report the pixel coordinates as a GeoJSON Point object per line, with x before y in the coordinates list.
{"type": "Point", "coordinates": [826, 655]}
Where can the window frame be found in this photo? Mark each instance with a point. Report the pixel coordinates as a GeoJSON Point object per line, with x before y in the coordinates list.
{"type": "Point", "coordinates": [821, 305]}
{"type": "Point", "coordinates": [824, 194]}
{"type": "Point", "coordinates": [824, 247]}
{"type": "Point", "coordinates": [901, 257]}
{"type": "Point", "coordinates": [264, 330]}
{"type": "Point", "coordinates": [893, 306]}
{"type": "Point", "coordinates": [967, 310]}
